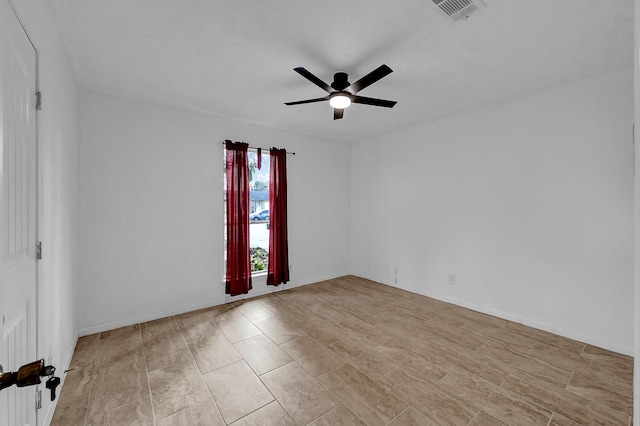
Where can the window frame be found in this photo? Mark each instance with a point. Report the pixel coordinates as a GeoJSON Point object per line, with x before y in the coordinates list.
{"type": "Point", "coordinates": [265, 206]}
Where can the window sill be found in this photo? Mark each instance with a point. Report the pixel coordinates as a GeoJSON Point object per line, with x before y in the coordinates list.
{"type": "Point", "coordinates": [254, 275]}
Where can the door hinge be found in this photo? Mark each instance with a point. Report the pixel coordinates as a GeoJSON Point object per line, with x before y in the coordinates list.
{"type": "Point", "coordinates": [39, 250]}
{"type": "Point", "coordinates": [38, 100]}
{"type": "Point", "coordinates": [38, 399]}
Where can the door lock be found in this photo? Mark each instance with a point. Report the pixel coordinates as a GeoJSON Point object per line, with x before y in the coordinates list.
{"type": "Point", "coordinates": [29, 375]}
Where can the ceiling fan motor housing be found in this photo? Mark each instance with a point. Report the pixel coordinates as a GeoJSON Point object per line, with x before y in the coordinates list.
{"type": "Point", "coordinates": [340, 81]}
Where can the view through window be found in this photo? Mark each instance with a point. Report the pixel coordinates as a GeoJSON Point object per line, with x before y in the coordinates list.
{"type": "Point", "coordinates": [259, 208]}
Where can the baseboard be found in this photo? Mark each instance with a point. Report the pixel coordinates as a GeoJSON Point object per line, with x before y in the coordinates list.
{"type": "Point", "coordinates": [510, 317]}
{"type": "Point", "coordinates": [211, 303]}
{"type": "Point", "coordinates": [148, 317]}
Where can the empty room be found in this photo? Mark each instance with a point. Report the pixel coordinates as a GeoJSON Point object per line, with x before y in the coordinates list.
{"type": "Point", "coordinates": [416, 212]}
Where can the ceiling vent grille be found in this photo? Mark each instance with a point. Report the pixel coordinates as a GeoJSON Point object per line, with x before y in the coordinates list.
{"type": "Point", "coordinates": [457, 10]}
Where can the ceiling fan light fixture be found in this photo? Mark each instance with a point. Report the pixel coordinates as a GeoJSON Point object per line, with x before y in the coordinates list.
{"type": "Point", "coordinates": [340, 101]}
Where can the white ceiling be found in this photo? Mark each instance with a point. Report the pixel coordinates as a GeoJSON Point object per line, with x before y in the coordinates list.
{"type": "Point", "coordinates": [235, 58]}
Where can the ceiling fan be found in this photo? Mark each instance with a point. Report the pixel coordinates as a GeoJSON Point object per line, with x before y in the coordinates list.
{"type": "Point", "coordinates": [344, 93]}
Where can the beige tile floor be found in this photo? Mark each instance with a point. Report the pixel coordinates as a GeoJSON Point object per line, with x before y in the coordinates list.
{"type": "Point", "coordinates": [344, 351]}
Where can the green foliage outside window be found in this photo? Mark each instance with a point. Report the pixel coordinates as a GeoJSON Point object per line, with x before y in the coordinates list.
{"type": "Point", "coordinates": [259, 258]}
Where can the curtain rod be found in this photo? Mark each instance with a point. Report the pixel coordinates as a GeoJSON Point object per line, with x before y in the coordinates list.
{"type": "Point", "coordinates": [264, 149]}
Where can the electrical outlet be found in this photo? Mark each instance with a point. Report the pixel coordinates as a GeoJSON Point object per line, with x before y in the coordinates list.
{"type": "Point", "coordinates": [452, 278]}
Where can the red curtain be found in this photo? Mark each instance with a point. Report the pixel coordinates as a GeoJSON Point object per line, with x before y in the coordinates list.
{"type": "Point", "coordinates": [278, 270]}
{"type": "Point", "coordinates": [238, 258]}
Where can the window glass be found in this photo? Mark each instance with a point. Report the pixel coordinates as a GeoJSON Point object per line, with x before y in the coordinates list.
{"type": "Point", "coordinates": [259, 208]}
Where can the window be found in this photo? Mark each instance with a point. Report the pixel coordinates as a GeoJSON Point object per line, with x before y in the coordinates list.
{"type": "Point", "coordinates": [259, 208]}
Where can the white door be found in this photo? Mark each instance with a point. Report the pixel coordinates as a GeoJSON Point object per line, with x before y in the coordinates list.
{"type": "Point", "coordinates": [17, 213]}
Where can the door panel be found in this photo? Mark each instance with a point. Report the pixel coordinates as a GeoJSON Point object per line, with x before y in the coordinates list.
{"type": "Point", "coordinates": [17, 213]}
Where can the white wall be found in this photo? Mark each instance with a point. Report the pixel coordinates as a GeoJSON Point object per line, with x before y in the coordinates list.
{"type": "Point", "coordinates": [58, 141]}
{"type": "Point", "coordinates": [151, 209]}
{"type": "Point", "coordinates": [529, 202]}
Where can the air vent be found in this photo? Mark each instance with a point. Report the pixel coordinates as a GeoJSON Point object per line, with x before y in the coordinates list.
{"type": "Point", "coordinates": [457, 10]}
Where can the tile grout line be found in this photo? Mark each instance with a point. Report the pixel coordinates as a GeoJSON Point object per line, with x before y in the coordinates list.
{"type": "Point", "coordinates": [251, 412]}
{"type": "Point", "coordinates": [569, 381]}
{"type": "Point", "coordinates": [254, 372]}
{"type": "Point", "coordinates": [551, 418]}
{"type": "Point", "coordinates": [315, 378]}
{"type": "Point", "coordinates": [146, 372]}
{"type": "Point", "coordinates": [399, 414]}
{"type": "Point", "coordinates": [95, 361]}
{"type": "Point", "coordinates": [474, 417]}
{"type": "Point", "coordinates": [319, 417]}
{"type": "Point", "coordinates": [267, 387]}
{"type": "Point", "coordinates": [506, 378]}
{"type": "Point", "coordinates": [198, 367]}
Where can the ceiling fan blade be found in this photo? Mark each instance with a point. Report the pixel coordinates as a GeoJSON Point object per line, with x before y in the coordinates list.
{"type": "Point", "coordinates": [307, 101]}
{"type": "Point", "coordinates": [338, 113]}
{"type": "Point", "coordinates": [312, 78]}
{"type": "Point", "coordinates": [372, 101]}
{"type": "Point", "coordinates": [369, 79]}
